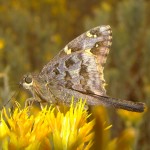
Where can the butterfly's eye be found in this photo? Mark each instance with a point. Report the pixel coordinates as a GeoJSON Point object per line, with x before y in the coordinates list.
{"type": "Point", "coordinates": [28, 80]}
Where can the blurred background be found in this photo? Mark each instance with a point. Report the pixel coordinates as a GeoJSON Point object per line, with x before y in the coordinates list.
{"type": "Point", "coordinates": [32, 32]}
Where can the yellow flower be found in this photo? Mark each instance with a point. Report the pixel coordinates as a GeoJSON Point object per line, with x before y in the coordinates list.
{"type": "Point", "coordinates": [47, 130]}
{"type": "Point", "coordinates": [3, 129]}
{"type": "Point", "coordinates": [2, 43]}
{"type": "Point", "coordinates": [125, 141]}
{"type": "Point", "coordinates": [131, 118]}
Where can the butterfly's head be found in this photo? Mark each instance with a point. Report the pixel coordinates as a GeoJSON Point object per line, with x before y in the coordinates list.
{"type": "Point", "coordinates": [27, 81]}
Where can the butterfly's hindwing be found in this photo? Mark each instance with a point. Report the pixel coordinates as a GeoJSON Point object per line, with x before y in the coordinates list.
{"type": "Point", "coordinates": [79, 66]}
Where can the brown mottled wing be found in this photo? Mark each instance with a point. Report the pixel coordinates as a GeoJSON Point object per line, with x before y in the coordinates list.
{"type": "Point", "coordinates": [79, 65]}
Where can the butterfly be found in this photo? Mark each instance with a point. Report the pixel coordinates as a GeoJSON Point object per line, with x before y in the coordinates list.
{"type": "Point", "coordinates": [77, 71]}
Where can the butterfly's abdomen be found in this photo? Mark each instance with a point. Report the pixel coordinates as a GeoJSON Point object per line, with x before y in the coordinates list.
{"type": "Point", "coordinates": [119, 103]}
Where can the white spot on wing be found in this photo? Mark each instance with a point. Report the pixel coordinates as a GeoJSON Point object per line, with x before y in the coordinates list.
{"type": "Point", "coordinates": [96, 45]}
{"type": "Point", "coordinates": [95, 35]}
{"type": "Point", "coordinates": [67, 51]}
{"type": "Point", "coordinates": [90, 35]}
{"type": "Point", "coordinates": [88, 51]}
{"type": "Point", "coordinates": [103, 28]}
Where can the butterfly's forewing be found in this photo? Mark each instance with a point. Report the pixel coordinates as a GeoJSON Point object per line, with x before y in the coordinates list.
{"type": "Point", "coordinates": [79, 65]}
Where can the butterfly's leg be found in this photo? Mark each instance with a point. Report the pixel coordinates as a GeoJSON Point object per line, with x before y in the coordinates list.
{"type": "Point", "coordinates": [58, 108]}
{"type": "Point", "coordinates": [29, 102]}
{"type": "Point", "coordinates": [43, 104]}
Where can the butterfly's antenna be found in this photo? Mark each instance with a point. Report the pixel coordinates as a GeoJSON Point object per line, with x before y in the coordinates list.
{"type": "Point", "coordinates": [12, 97]}
{"type": "Point", "coordinates": [12, 85]}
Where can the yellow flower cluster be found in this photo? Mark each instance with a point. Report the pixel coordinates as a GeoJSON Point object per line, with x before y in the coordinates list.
{"type": "Point", "coordinates": [2, 43]}
{"type": "Point", "coordinates": [46, 130]}
{"type": "Point", "coordinates": [131, 118]}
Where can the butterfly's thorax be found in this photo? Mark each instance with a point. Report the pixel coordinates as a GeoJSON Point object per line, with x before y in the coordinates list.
{"type": "Point", "coordinates": [40, 91]}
